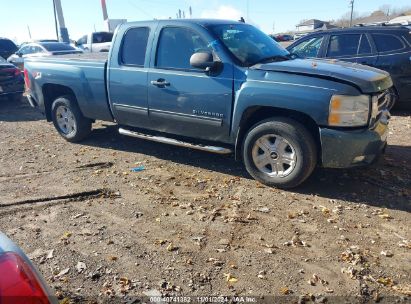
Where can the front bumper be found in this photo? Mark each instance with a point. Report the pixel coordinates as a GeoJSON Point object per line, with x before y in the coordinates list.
{"type": "Point", "coordinates": [352, 148]}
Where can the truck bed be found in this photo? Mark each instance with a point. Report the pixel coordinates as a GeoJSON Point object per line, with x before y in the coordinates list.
{"type": "Point", "coordinates": [97, 57]}
{"type": "Point", "coordinates": [84, 74]}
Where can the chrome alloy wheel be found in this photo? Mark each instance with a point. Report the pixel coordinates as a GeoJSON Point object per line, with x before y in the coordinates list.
{"type": "Point", "coordinates": [65, 120]}
{"type": "Point", "coordinates": [274, 155]}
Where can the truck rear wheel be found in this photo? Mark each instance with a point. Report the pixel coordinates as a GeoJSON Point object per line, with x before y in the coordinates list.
{"type": "Point", "coordinates": [279, 152]}
{"type": "Point", "coordinates": [68, 119]}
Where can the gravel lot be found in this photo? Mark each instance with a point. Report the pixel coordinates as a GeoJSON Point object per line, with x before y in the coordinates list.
{"type": "Point", "coordinates": [195, 224]}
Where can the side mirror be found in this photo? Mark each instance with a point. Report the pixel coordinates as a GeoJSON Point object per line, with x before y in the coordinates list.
{"type": "Point", "coordinates": [203, 60]}
{"type": "Point", "coordinates": [19, 54]}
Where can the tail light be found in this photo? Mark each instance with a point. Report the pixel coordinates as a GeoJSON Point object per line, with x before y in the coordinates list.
{"type": "Point", "coordinates": [27, 79]}
{"type": "Point", "coordinates": [17, 72]}
{"type": "Point", "coordinates": [19, 284]}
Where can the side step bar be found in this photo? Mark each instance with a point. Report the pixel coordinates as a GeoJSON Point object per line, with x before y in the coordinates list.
{"type": "Point", "coordinates": [171, 141]}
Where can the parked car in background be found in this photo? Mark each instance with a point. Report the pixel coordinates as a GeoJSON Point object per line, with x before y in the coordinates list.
{"type": "Point", "coordinates": [11, 81]}
{"type": "Point", "coordinates": [7, 48]}
{"type": "Point", "coordinates": [41, 49]}
{"type": "Point", "coordinates": [20, 282]}
{"type": "Point", "coordinates": [385, 47]}
{"type": "Point", "coordinates": [95, 42]}
{"type": "Point", "coordinates": [223, 87]}
{"type": "Point", "coordinates": [284, 37]}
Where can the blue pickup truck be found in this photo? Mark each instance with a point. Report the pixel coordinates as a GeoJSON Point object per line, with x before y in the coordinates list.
{"type": "Point", "coordinates": [223, 87]}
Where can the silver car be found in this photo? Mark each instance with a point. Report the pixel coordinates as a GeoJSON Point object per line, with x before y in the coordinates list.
{"type": "Point", "coordinates": [40, 49]}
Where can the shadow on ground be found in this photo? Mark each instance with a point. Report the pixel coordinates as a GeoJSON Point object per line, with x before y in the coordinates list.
{"type": "Point", "coordinates": [385, 184]}
{"type": "Point", "coordinates": [14, 111]}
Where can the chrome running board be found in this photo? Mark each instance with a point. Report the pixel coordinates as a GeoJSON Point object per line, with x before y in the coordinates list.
{"type": "Point", "coordinates": [175, 142]}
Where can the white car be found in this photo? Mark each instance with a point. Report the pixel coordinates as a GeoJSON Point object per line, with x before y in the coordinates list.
{"type": "Point", "coordinates": [95, 42]}
{"type": "Point", "coordinates": [40, 49]}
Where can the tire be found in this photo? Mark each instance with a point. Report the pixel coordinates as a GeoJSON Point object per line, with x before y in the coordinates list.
{"type": "Point", "coordinates": [279, 152]}
{"type": "Point", "coordinates": [68, 119]}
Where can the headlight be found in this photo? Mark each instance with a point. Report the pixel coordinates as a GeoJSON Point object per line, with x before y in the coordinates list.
{"type": "Point", "coordinates": [349, 111]}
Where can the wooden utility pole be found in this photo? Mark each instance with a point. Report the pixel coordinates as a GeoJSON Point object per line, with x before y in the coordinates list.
{"type": "Point", "coordinates": [352, 11]}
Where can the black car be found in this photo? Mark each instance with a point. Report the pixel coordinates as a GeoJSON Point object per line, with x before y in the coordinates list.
{"type": "Point", "coordinates": [7, 47]}
{"type": "Point", "coordinates": [385, 47]}
{"type": "Point", "coordinates": [11, 81]}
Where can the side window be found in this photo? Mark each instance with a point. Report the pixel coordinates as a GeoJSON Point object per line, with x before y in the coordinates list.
{"type": "Point", "coordinates": [37, 49]}
{"type": "Point", "coordinates": [308, 48]}
{"type": "Point", "coordinates": [386, 43]}
{"type": "Point", "coordinates": [134, 46]}
{"type": "Point", "coordinates": [102, 37]}
{"type": "Point", "coordinates": [176, 46]}
{"type": "Point", "coordinates": [82, 40]}
{"type": "Point", "coordinates": [365, 47]}
{"type": "Point", "coordinates": [343, 45]}
{"type": "Point", "coordinates": [25, 50]}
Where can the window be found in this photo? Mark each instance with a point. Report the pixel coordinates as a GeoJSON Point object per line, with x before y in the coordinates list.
{"type": "Point", "coordinates": [365, 47]}
{"type": "Point", "coordinates": [57, 47]}
{"type": "Point", "coordinates": [248, 44]}
{"type": "Point", "coordinates": [82, 40]}
{"type": "Point", "coordinates": [386, 43]}
{"type": "Point", "coordinates": [133, 50]}
{"type": "Point", "coordinates": [308, 48]}
{"type": "Point", "coordinates": [25, 50]}
{"type": "Point", "coordinates": [36, 49]}
{"type": "Point", "coordinates": [343, 45]}
{"type": "Point", "coordinates": [176, 46]}
{"type": "Point", "coordinates": [102, 37]}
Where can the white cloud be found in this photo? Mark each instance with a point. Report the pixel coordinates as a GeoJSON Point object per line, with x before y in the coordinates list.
{"type": "Point", "coordinates": [223, 12]}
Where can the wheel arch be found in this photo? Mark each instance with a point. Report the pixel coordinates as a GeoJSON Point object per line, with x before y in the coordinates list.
{"type": "Point", "coordinates": [51, 92]}
{"type": "Point", "coordinates": [255, 114]}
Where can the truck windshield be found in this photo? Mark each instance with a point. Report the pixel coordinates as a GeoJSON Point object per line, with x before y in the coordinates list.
{"type": "Point", "coordinates": [248, 44]}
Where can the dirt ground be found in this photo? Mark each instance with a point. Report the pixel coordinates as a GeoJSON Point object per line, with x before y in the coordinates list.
{"type": "Point", "coordinates": [189, 223]}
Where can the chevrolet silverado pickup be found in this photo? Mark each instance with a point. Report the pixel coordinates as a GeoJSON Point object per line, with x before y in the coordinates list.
{"type": "Point", "coordinates": [223, 87]}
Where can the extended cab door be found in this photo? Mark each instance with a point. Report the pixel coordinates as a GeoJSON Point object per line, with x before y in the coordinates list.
{"type": "Point", "coordinates": [184, 100]}
{"type": "Point", "coordinates": [127, 77]}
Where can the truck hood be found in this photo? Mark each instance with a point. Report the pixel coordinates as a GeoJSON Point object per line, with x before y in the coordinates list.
{"type": "Point", "coordinates": [368, 79]}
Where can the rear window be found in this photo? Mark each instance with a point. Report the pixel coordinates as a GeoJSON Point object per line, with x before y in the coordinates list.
{"type": "Point", "coordinates": [58, 46]}
{"type": "Point", "coordinates": [102, 37]}
{"type": "Point", "coordinates": [7, 45]}
{"type": "Point", "coordinates": [387, 43]}
{"type": "Point", "coordinates": [133, 50]}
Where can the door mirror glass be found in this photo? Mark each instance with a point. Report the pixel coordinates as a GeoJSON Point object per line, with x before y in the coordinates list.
{"type": "Point", "coordinates": [203, 60]}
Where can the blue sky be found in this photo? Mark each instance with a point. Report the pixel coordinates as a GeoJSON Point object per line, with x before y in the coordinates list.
{"type": "Point", "coordinates": [82, 16]}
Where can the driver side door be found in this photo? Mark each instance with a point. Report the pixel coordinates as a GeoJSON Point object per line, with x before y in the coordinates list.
{"type": "Point", "coordinates": [184, 100]}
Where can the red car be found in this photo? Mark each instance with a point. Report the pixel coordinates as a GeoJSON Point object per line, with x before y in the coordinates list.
{"type": "Point", "coordinates": [20, 282]}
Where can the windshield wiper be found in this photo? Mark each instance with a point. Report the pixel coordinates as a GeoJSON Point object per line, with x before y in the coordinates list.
{"type": "Point", "coordinates": [274, 58]}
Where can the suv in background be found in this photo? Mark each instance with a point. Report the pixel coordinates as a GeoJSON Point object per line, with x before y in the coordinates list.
{"type": "Point", "coordinates": [385, 47]}
{"type": "Point", "coordinates": [7, 48]}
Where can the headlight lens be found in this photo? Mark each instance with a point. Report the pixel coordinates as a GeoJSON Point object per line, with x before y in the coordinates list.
{"type": "Point", "coordinates": [349, 111]}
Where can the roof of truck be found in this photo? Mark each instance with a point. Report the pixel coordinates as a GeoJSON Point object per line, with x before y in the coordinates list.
{"type": "Point", "coordinates": [196, 21]}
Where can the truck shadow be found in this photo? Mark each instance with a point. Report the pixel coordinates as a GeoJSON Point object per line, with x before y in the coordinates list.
{"type": "Point", "coordinates": [20, 110]}
{"type": "Point", "coordinates": [384, 185]}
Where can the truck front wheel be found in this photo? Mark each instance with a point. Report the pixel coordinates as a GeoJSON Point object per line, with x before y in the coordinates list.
{"type": "Point", "coordinates": [68, 119]}
{"type": "Point", "coordinates": [279, 152]}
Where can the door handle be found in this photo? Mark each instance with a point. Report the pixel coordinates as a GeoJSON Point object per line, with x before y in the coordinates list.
{"type": "Point", "coordinates": [161, 83]}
